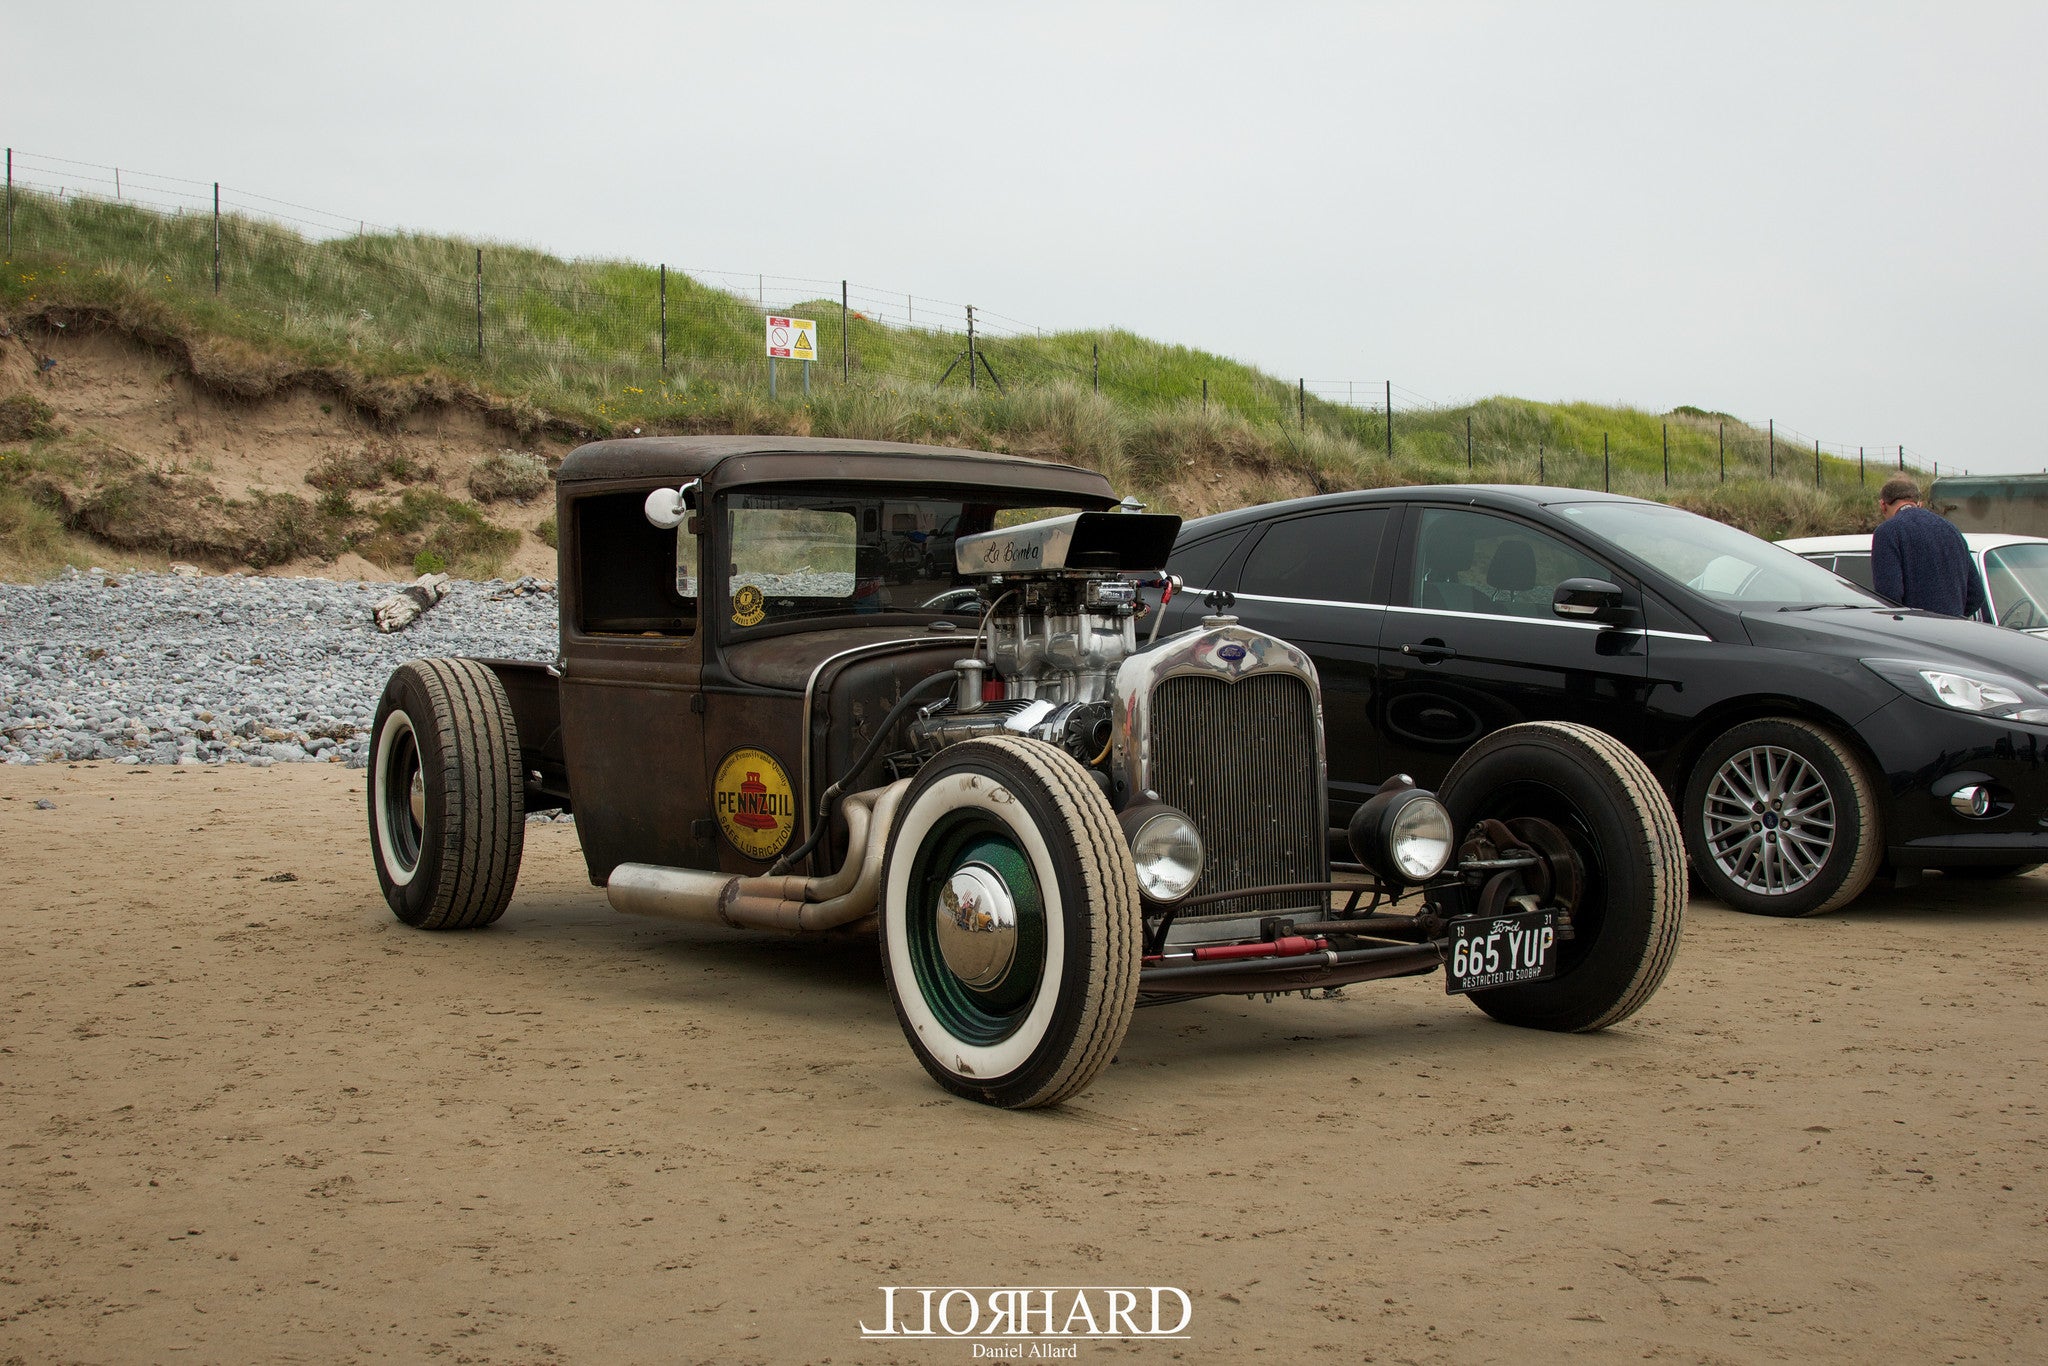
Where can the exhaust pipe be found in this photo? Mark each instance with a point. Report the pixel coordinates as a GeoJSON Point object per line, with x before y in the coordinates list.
{"type": "Point", "coordinates": [801, 905]}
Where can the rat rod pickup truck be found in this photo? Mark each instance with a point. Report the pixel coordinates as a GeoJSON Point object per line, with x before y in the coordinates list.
{"type": "Point", "coordinates": [815, 685]}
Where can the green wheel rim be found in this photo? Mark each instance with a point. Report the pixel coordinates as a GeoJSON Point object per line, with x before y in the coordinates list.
{"type": "Point", "coordinates": [976, 1015]}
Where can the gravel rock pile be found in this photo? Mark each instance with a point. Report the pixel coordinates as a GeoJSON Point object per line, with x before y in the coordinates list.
{"type": "Point", "coordinates": [169, 668]}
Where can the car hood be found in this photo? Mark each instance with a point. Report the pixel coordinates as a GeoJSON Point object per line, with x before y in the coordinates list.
{"type": "Point", "coordinates": [1901, 633]}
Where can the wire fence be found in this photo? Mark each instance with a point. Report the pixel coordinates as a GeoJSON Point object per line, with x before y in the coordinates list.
{"type": "Point", "coordinates": [618, 328]}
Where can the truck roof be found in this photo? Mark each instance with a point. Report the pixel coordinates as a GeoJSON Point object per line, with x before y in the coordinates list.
{"type": "Point", "coordinates": [782, 459]}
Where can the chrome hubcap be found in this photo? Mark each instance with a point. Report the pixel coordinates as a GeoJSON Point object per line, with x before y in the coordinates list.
{"type": "Point", "coordinates": [976, 923]}
{"type": "Point", "coordinates": [1769, 820]}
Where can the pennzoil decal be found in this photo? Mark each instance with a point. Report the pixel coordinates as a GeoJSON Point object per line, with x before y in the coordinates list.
{"type": "Point", "coordinates": [748, 606]}
{"type": "Point", "coordinates": [756, 806]}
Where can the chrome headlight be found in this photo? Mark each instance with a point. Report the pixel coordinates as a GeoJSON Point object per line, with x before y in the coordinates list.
{"type": "Point", "coordinates": [1981, 694]}
{"type": "Point", "coordinates": [1403, 834]}
{"type": "Point", "coordinates": [1166, 849]}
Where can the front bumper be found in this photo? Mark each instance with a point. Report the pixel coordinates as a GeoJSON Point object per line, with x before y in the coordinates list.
{"type": "Point", "coordinates": [1924, 752]}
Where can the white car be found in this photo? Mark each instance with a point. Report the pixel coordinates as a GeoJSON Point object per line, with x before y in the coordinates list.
{"type": "Point", "coordinates": [2015, 570]}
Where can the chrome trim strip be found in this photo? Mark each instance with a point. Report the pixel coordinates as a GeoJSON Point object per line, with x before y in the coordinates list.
{"type": "Point", "coordinates": [1503, 616]}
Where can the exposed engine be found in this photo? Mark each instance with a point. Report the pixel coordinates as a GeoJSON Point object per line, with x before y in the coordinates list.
{"type": "Point", "coordinates": [1059, 617]}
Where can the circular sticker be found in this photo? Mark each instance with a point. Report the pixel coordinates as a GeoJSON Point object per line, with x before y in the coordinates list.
{"type": "Point", "coordinates": [755, 804]}
{"type": "Point", "coordinates": [748, 606]}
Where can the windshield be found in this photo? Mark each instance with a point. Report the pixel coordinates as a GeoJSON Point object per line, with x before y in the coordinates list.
{"type": "Point", "coordinates": [799, 553]}
{"type": "Point", "coordinates": [2017, 577]}
{"type": "Point", "coordinates": [1724, 564]}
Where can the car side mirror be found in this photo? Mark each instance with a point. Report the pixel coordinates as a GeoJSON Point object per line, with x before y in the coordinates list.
{"type": "Point", "coordinates": [1590, 600]}
{"type": "Point", "coordinates": [665, 508]}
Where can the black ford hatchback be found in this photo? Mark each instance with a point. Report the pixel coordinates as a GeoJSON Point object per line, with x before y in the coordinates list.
{"type": "Point", "coordinates": [1806, 732]}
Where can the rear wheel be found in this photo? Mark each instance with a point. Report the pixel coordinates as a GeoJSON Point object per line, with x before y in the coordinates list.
{"type": "Point", "coordinates": [1780, 819]}
{"type": "Point", "coordinates": [447, 803]}
{"type": "Point", "coordinates": [1630, 907]}
{"type": "Point", "coordinates": [1010, 923]}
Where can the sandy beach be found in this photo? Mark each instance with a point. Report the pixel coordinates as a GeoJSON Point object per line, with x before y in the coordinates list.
{"type": "Point", "coordinates": [250, 1117]}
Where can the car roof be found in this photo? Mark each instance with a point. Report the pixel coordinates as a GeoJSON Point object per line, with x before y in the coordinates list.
{"type": "Point", "coordinates": [1977, 540]}
{"type": "Point", "coordinates": [745, 459]}
{"type": "Point", "coordinates": [1508, 497]}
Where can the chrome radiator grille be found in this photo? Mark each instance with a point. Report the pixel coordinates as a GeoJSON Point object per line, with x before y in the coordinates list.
{"type": "Point", "coordinates": [1241, 759]}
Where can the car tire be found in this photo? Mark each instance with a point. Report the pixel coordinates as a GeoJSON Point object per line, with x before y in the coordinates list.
{"type": "Point", "coordinates": [1816, 854]}
{"type": "Point", "coordinates": [1010, 832]}
{"type": "Point", "coordinates": [447, 803]}
{"type": "Point", "coordinates": [1626, 926]}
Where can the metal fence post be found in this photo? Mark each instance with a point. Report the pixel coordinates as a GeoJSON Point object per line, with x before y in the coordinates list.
{"type": "Point", "coordinates": [1859, 466]}
{"type": "Point", "coordinates": [1468, 443]}
{"type": "Point", "coordinates": [843, 371]}
{"type": "Point", "coordinates": [10, 201]}
{"type": "Point", "coordinates": [1816, 462]}
{"type": "Point", "coordinates": [1902, 460]}
{"type": "Point", "coordinates": [1667, 455]}
{"type": "Point", "coordinates": [664, 319]}
{"type": "Point", "coordinates": [970, 348]}
{"type": "Point", "coordinates": [1539, 464]}
{"type": "Point", "coordinates": [1606, 467]}
{"type": "Point", "coordinates": [479, 303]}
{"type": "Point", "coordinates": [1724, 452]}
{"type": "Point", "coordinates": [1774, 448]}
{"type": "Point", "coordinates": [1390, 419]}
{"type": "Point", "coordinates": [216, 237]}
{"type": "Point", "coordinates": [1095, 349]}
{"type": "Point", "coordinates": [1301, 402]}
{"type": "Point", "coordinates": [1205, 393]}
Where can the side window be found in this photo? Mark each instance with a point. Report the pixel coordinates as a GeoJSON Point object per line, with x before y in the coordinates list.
{"type": "Point", "coordinates": [630, 576]}
{"type": "Point", "coordinates": [1325, 558]}
{"type": "Point", "coordinates": [1856, 569]}
{"type": "Point", "coordinates": [1199, 564]}
{"type": "Point", "coordinates": [1477, 562]}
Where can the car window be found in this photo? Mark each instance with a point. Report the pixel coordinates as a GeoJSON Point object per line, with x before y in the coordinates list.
{"type": "Point", "coordinates": [1200, 564]}
{"type": "Point", "coordinates": [1712, 558]}
{"type": "Point", "coordinates": [1856, 569]}
{"type": "Point", "coordinates": [1328, 557]}
{"type": "Point", "coordinates": [2017, 578]}
{"type": "Point", "coordinates": [1476, 562]}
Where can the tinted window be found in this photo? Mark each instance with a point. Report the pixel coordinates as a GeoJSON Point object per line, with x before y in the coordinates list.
{"type": "Point", "coordinates": [1328, 557]}
{"type": "Point", "coordinates": [1200, 563]}
{"type": "Point", "coordinates": [1856, 569]}
{"type": "Point", "coordinates": [1476, 562]}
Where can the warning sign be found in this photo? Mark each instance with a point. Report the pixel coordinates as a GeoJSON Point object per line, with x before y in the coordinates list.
{"type": "Point", "coordinates": [792, 338]}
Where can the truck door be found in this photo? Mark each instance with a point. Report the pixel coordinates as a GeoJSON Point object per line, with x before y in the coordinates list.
{"type": "Point", "coordinates": [632, 664]}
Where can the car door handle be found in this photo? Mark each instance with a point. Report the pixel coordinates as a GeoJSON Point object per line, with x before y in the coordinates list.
{"type": "Point", "coordinates": [1430, 651]}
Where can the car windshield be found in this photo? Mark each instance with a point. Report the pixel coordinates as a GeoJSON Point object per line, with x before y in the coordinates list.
{"type": "Point", "coordinates": [1716, 560]}
{"type": "Point", "coordinates": [2017, 576]}
{"type": "Point", "coordinates": [803, 553]}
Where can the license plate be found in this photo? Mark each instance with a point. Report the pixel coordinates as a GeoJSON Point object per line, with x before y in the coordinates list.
{"type": "Point", "coordinates": [1501, 951]}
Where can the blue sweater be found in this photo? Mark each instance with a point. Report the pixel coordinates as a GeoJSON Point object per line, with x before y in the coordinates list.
{"type": "Point", "coordinates": [1919, 559]}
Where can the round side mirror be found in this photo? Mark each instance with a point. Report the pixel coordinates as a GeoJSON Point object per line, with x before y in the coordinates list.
{"type": "Point", "coordinates": [665, 508]}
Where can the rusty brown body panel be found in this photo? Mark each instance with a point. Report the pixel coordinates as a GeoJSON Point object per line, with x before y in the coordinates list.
{"type": "Point", "coordinates": [645, 717]}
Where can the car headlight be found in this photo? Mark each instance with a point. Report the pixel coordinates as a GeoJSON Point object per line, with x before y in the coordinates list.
{"type": "Point", "coordinates": [1980, 694]}
{"type": "Point", "coordinates": [1166, 849]}
{"type": "Point", "coordinates": [1403, 833]}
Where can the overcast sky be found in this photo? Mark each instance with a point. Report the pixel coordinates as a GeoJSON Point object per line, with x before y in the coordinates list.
{"type": "Point", "coordinates": [1832, 215]}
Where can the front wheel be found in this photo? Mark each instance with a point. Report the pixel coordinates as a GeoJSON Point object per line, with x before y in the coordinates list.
{"type": "Point", "coordinates": [1011, 928]}
{"type": "Point", "coordinates": [1781, 819]}
{"type": "Point", "coordinates": [447, 802]}
{"type": "Point", "coordinates": [1628, 911]}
